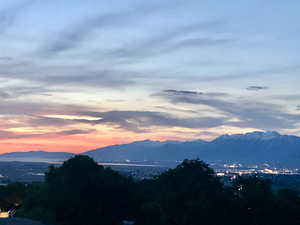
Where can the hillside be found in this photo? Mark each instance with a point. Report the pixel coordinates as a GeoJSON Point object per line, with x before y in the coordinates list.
{"type": "Point", "coordinates": [249, 148]}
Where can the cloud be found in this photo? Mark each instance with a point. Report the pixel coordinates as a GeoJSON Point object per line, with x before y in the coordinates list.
{"type": "Point", "coordinates": [54, 78]}
{"type": "Point", "coordinates": [48, 121]}
{"type": "Point", "coordinates": [175, 109]}
{"type": "Point", "coordinates": [275, 71]}
{"type": "Point", "coordinates": [201, 42]}
{"type": "Point", "coordinates": [72, 37]}
{"type": "Point", "coordinates": [135, 121]}
{"type": "Point", "coordinates": [36, 109]}
{"type": "Point", "coordinates": [4, 94]}
{"type": "Point", "coordinates": [169, 41]}
{"type": "Point", "coordinates": [18, 135]}
{"type": "Point", "coordinates": [141, 121]}
{"type": "Point", "coordinates": [178, 92]}
{"type": "Point", "coordinates": [16, 91]}
{"type": "Point", "coordinates": [97, 78]}
{"type": "Point", "coordinates": [5, 58]}
{"type": "Point", "coordinates": [256, 88]}
{"type": "Point", "coordinates": [8, 16]}
{"type": "Point", "coordinates": [190, 94]}
{"type": "Point", "coordinates": [72, 132]}
{"type": "Point", "coordinates": [95, 75]}
{"type": "Point", "coordinates": [242, 112]}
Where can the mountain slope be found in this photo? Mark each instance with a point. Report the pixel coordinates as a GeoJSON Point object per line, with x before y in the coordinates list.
{"type": "Point", "coordinates": [149, 151]}
{"type": "Point", "coordinates": [249, 148]}
{"type": "Point", "coordinates": [257, 147]}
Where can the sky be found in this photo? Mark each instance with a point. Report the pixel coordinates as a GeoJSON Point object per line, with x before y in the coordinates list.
{"type": "Point", "coordinates": [78, 75]}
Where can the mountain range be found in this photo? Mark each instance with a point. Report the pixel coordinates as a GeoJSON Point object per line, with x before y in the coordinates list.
{"type": "Point", "coordinates": [250, 148]}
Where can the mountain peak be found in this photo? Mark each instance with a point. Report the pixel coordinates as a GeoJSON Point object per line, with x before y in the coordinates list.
{"type": "Point", "coordinates": [256, 135]}
{"type": "Point", "coordinates": [263, 135]}
{"type": "Point", "coordinates": [146, 141]}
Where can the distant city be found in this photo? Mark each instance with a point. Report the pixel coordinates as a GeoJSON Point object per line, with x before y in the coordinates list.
{"type": "Point", "coordinates": [29, 172]}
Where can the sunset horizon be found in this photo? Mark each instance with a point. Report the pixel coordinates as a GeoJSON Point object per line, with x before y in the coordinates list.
{"type": "Point", "coordinates": [77, 76]}
{"type": "Point", "coordinates": [84, 148]}
{"type": "Point", "coordinates": [149, 112]}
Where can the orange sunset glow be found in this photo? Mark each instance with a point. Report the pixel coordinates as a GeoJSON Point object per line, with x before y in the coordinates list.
{"type": "Point", "coordinates": [100, 74]}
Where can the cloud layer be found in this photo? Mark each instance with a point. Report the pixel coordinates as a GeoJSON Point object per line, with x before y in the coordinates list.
{"type": "Point", "coordinates": [77, 75]}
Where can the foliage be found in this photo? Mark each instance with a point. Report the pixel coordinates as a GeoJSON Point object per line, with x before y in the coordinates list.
{"type": "Point", "coordinates": [80, 192]}
{"type": "Point", "coordinates": [11, 196]}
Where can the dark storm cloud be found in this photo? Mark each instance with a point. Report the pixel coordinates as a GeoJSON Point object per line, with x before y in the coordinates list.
{"type": "Point", "coordinates": [257, 88]}
{"type": "Point", "coordinates": [249, 113]}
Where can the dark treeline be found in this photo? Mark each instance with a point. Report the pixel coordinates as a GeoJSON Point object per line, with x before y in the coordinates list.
{"type": "Point", "coordinates": [81, 192]}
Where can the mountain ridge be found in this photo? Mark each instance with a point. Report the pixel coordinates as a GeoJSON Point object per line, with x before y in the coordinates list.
{"type": "Point", "coordinates": [249, 148]}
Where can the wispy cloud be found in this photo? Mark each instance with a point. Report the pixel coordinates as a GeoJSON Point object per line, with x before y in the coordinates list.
{"type": "Point", "coordinates": [180, 92]}
{"type": "Point", "coordinates": [18, 135]}
{"type": "Point", "coordinates": [189, 36]}
{"type": "Point", "coordinates": [97, 78]}
{"type": "Point", "coordinates": [72, 37]}
{"type": "Point", "coordinates": [242, 112]}
{"type": "Point", "coordinates": [257, 88]}
{"type": "Point", "coordinates": [142, 121]}
{"type": "Point", "coordinates": [54, 77]}
{"type": "Point", "coordinates": [11, 92]}
{"type": "Point", "coordinates": [9, 15]}
{"type": "Point", "coordinates": [31, 108]}
{"type": "Point", "coordinates": [270, 72]}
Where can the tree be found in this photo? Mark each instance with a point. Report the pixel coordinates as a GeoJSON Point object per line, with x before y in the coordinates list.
{"type": "Point", "coordinates": [287, 208]}
{"type": "Point", "coordinates": [80, 192]}
{"type": "Point", "coordinates": [11, 196]}
{"type": "Point", "coordinates": [189, 194]}
{"type": "Point", "coordinates": [256, 199]}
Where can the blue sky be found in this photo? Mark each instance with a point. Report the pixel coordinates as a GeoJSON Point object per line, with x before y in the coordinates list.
{"type": "Point", "coordinates": [105, 72]}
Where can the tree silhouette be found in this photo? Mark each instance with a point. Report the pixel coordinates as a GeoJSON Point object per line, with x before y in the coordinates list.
{"type": "Point", "coordinates": [80, 192]}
